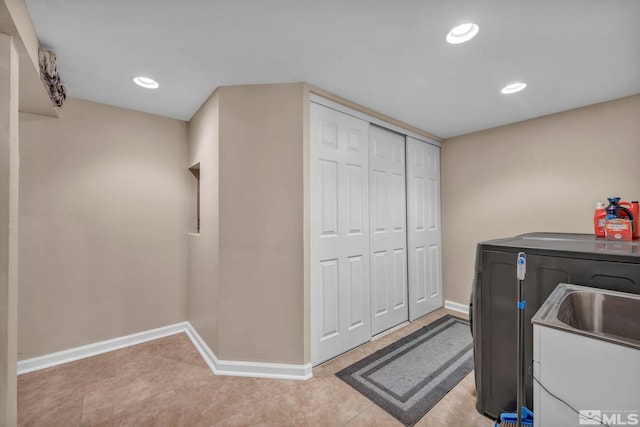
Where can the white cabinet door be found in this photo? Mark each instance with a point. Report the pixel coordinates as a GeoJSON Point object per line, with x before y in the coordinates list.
{"type": "Point", "coordinates": [388, 234]}
{"type": "Point", "coordinates": [424, 235]}
{"type": "Point", "coordinates": [340, 299]}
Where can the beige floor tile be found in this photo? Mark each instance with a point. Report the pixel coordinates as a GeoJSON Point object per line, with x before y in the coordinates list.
{"type": "Point", "coordinates": [328, 401]}
{"type": "Point", "coordinates": [166, 383]}
{"type": "Point", "coordinates": [52, 396]}
{"type": "Point", "coordinates": [66, 411]}
{"type": "Point", "coordinates": [183, 373]}
{"type": "Point", "coordinates": [223, 397]}
{"type": "Point", "coordinates": [128, 386]}
{"type": "Point", "coordinates": [265, 413]}
{"type": "Point", "coordinates": [274, 388]}
{"type": "Point", "coordinates": [374, 416]}
{"type": "Point", "coordinates": [178, 347]}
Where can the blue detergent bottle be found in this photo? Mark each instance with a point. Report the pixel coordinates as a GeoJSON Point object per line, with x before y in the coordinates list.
{"type": "Point", "coordinates": [614, 208]}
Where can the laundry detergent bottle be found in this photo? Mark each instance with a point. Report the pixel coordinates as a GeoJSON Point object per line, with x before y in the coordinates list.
{"type": "Point", "coordinates": [634, 208]}
{"type": "Point", "coordinates": [599, 218]}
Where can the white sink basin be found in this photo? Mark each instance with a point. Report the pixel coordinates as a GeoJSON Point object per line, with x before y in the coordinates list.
{"type": "Point", "coordinates": [598, 313]}
{"type": "Point", "coordinates": [586, 351]}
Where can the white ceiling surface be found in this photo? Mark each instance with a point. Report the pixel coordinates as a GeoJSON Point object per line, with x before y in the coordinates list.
{"type": "Point", "coordinates": [388, 55]}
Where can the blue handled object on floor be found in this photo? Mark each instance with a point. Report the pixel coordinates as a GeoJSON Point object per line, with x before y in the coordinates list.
{"type": "Point", "coordinates": [511, 418]}
{"type": "Point", "coordinates": [523, 415]}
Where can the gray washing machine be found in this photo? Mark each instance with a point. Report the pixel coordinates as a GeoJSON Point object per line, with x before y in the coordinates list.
{"type": "Point", "coordinates": [552, 258]}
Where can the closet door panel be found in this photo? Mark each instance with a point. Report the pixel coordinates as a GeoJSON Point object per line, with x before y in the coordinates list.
{"type": "Point", "coordinates": [329, 289]}
{"type": "Point", "coordinates": [388, 238]}
{"type": "Point", "coordinates": [340, 290]}
{"type": "Point", "coordinates": [424, 229]}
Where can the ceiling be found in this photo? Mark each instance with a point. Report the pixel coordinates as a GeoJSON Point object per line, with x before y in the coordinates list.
{"type": "Point", "coordinates": [390, 56]}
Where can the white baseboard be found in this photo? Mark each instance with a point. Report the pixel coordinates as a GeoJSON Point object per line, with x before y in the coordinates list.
{"type": "Point", "coordinates": [455, 306]}
{"type": "Point", "coordinates": [77, 353]}
{"type": "Point", "coordinates": [248, 369]}
{"type": "Point", "coordinates": [219, 367]}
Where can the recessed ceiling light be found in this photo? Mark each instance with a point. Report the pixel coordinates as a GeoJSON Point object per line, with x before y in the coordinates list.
{"type": "Point", "coordinates": [146, 82]}
{"type": "Point", "coordinates": [462, 33]}
{"type": "Point", "coordinates": [513, 87]}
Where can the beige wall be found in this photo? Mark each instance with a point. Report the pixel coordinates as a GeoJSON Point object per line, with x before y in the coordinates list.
{"type": "Point", "coordinates": [8, 229]}
{"type": "Point", "coordinates": [261, 224]}
{"type": "Point", "coordinates": [544, 174]}
{"type": "Point", "coordinates": [202, 309]}
{"type": "Point", "coordinates": [103, 217]}
{"type": "Point", "coordinates": [246, 283]}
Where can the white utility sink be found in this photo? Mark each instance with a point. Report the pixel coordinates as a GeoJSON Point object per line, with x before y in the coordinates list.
{"type": "Point", "coordinates": [586, 351]}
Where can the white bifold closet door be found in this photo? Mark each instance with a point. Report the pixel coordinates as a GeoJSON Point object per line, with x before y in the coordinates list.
{"type": "Point", "coordinates": [424, 229]}
{"type": "Point", "coordinates": [340, 296]}
{"type": "Point", "coordinates": [375, 231]}
{"type": "Point", "coordinates": [388, 231]}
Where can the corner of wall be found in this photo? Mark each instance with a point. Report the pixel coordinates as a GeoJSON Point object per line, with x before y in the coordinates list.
{"type": "Point", "coordinates": [306, 217]}
{"type": "Point", "coordinates": [203, 246]}
{"type": "Point", "coordinates": [261, 290]}
{"type": "Point", "coordinates": [9, 166]}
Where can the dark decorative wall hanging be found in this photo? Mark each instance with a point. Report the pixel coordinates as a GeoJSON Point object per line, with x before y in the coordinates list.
{"type": "Point", "coordinates": [51, 78]}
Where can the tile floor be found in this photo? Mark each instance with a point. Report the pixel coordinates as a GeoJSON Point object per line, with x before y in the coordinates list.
{"type": "Point", "coordinates": [166, 383]}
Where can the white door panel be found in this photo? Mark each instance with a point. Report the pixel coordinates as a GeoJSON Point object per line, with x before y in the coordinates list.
{"type": "Point", "coordinates": [375, 231]}
{"type": "Point", "coordinates": [424, 230]}
{"type": "Point", "coordinates": [388, 237]}
{"type": "Point", "coordinates": [340, 299]}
